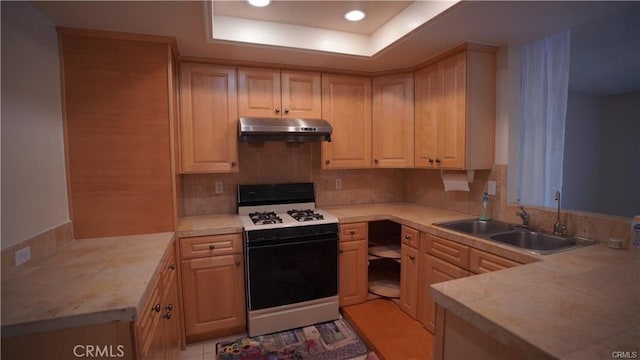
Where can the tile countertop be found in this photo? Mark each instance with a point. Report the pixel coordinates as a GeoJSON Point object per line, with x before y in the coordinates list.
{"type": "Point", "coordinates": [90, 281]}
{"type": "Point", "coordinates": [205, 225]}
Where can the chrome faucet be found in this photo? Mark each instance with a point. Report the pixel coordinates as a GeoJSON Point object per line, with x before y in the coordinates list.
{"type": "Point", "coordinates": [558, 227]}
{"type": "Point", "coordinates": [524, 215]}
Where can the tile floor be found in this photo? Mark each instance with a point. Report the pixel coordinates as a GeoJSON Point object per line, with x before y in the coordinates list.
{"type": "Point", "coordinates": [205, 350]}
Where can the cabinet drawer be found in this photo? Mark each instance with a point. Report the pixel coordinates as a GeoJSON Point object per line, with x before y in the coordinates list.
{"type": "Point", "coordinates": [410, 237]}
{"type": "Point", "coordinates": [202, 246]}
{"type": "Point", "coordinates": [354, 231]}
{"type": "Point", "coordinates": [449, 251]}
{"type": "Point", "coordinates": [482, 262]}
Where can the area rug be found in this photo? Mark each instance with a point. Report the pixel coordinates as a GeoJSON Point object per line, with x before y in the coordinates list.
{"type": "Point", "coordinates": [334, 340]}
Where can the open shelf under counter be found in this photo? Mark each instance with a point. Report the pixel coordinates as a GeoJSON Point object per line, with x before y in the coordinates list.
{"type": "Point", "coordinates": [386, 251]}
{"type": "Point", "coordinates": [384, 278]}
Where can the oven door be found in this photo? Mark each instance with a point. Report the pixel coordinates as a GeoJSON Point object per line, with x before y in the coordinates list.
{"type": "Point", "coordinates": [291, 272]}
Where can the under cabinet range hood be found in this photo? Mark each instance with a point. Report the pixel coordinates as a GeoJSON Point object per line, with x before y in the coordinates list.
{"type": "Point", "coordinates": [283, 129]}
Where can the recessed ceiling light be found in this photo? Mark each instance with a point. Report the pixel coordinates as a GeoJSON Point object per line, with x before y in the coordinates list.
{"type": "Point", "coordinates": [259, 3]}
{"type": "Point", "coordinates": [355, 15]}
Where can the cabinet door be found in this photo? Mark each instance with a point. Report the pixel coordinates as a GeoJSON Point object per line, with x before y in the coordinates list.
{"type": "Point", "coordinates": [352, 287]}
{"type": "Point", "coordinates": [301, 95]}
{"type": "Point", "coordinates": [428, 111]}
{"type": "Point", "coordinates": [452, 125]}
{"type": "Point", "coordinates": [433, 271]}
{"type": "Point", "coordinates": [213, 296]}
{"type": "Point", "coordinates": [409, 281]}
{"type": "Point", "coordinates": [393, 121]}
{"type": "Point", "coordinates": [171, 319]}
{"type": "Point", "coordinates": [346, 104]}
{"type": "Point", "coordinates": [209, 118]}
{"type": "Point", "coordinates": [259, 93]}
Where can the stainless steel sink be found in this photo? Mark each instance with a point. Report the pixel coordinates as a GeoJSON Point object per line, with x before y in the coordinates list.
{"type": "Point", "coordinates": [524, 238]}
{"type": "Point", "coordinates": [539, 242]}
{"type": "Point", "coordinates": [477, 227]}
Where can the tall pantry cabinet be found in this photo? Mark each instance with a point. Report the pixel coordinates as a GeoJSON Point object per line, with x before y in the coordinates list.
{"type": "Point", "coordinates": [455, 110]}
{"type": "Point", "coordinates": [119, 125]}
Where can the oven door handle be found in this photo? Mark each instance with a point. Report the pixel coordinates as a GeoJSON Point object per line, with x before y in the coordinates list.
{"type": "Point", "coordinates": [279, 243]}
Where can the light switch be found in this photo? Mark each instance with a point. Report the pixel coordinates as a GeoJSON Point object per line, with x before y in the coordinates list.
{"type": "Point", "coordinates": [219, 188]}
{"type": "Point", "coordinates": [338, 184]}
{"type": "Point", "coordinates": [491, 187]}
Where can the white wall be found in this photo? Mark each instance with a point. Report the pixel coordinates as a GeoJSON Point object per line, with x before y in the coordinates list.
{"type": "Point", "coordinates": [34, 192]}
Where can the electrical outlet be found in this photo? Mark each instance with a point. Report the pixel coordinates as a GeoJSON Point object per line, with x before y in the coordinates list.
{"type": "Point", "coordinates": [338, 184]}
{"type": "Point", "coordinates": [23, 255]}
{"type": "Point", "coordinates": [491, 187]}
{"type": "Point", "coordinates": [219, 187]}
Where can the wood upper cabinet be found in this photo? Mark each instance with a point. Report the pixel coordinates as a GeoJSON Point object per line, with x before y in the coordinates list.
{"type": "Point", "coordinates": [409, 266]}
{"type": "Point", "coordinates": [209, 117]}
{"type": "Point", "coordinates": [213, 287]}
{"type": "Point", "coordinates": [271, 93]}
{"type": "Point", "coordinates": [455, 101]}
{"type": "Point", "coordinates": [346, 104]}
{"type": "Point", "coordinates": [393, 121]}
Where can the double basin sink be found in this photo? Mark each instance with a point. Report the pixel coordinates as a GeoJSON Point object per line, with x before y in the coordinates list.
{"type": "Point", "coordinates": [518, 236]}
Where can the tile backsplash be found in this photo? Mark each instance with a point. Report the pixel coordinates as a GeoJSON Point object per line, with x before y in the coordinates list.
{"type": "Point", "coordinates": [280, 163]}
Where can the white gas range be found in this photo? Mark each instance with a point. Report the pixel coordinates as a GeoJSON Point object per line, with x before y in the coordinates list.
{"type": "Point", "coordinates": [291, 257]}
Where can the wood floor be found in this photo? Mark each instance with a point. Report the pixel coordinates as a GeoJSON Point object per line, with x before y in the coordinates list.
{"type": "Point", "coordinates": [390, 332]}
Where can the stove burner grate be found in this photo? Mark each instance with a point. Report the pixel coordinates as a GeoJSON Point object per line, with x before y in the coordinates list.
{"type": "Point", "coordinates": [265, 217]}
{"type": "Point", "coordinates": [305, 215]}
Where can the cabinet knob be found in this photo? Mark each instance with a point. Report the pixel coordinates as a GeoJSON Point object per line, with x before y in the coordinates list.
{"type": "Point", "coordinates": [169, 307]}
{"type": "Point", "coordinates": [277, 110]}
{"type": "Point", "coordinates": [233, 163]}
{"type": "Point", "coordinates": [340, 251]}
{"type": "Point", "coordinates": [156, 308]}
{"type": "Point", "coordinates": [438, 161]}
{"type": "Point", "coordinates": [212, 246]}
{"type": "Point", "coordinates": [172, 267]}
{"type": "Point", "coordinates": [430, 161]}
{"type": "Point", "coordinates": [412, 257]}
{"type": "Point", "coordinates": [286, 110]}
{"type": "Point", "coordinates": [237, 263]}
{"type": "Point", "coordinates": [167, 315]}
{"type": "Point", "coordinates": [327, 162]}
{"type": "Point", "coordinates": [408, 236]}
{"type": "Point", "coordinates": [375, 161]}
{"type": "Point", "coordinates": [352, 232]}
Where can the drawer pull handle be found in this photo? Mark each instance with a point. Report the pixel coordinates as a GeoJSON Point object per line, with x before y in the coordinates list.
{"type": "Point", "coordinates": [172, 267]}
{"type": "Point", "coordinates": [352, 232]}
{"type": "Point", "coordinates": [169, 307]}
{"type": "Point", "coordinates": [167, 316]}
{"type": "Point", "coordinates": [237, 263]}
{"type": "Point", "coordinates": [340, 251]}
{"type": "Point", "coordinates": [412, 257]}
{"type": "Point", "coordinates": [212, 246]}
{"type": "Point", "coordinates": [156, 308]}
{"type": "Point", "coordinates": [408, 237]}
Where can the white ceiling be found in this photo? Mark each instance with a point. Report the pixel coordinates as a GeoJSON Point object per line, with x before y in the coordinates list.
{"type": "Point", "coordinates": [491, 22]}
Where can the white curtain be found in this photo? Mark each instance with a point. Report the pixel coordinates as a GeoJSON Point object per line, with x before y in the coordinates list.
{"type": "Point", "coordinates": [545, 81]}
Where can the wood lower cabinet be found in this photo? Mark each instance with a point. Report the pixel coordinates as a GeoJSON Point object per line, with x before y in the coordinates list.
{"type": "Point", "coordinates": [455, 111]}
{"type": "Point", "coordinates": [213, 287]}
{"type": "Point", "coordinates": [158, 331]}
{"type": "Point", "coordinates": [346, 104]}
{"type": "Point", "coordinates": [393, 121]}
{"type": "Point", "coordinates": [440, 260]}
{"type": "Point", "coordinates": [352, 264]}
{"type": "Point", "coordinates": [209, 116]}
{"type": "Point", "coordinates": [409, 270]}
